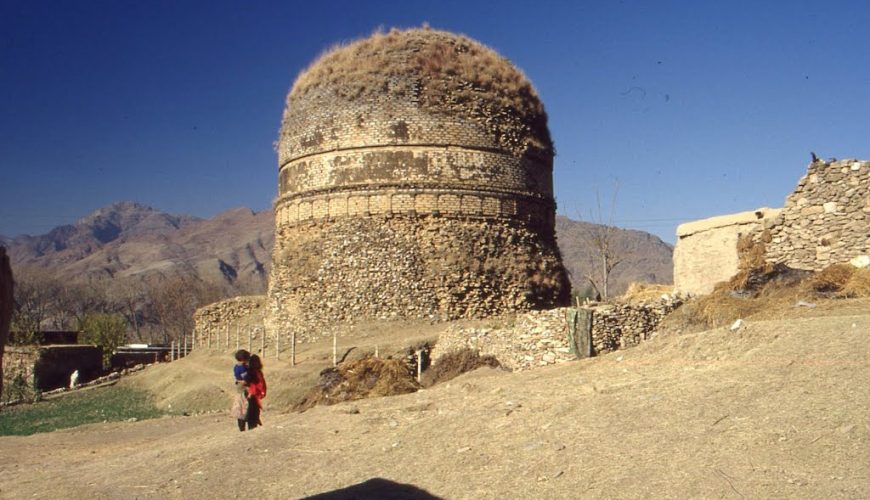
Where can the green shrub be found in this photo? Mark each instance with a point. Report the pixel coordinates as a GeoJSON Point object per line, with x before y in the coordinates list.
{"type": "Point", "coordinates": [107, 331]}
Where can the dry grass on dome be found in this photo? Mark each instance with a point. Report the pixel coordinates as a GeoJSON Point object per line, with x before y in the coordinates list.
{"type": "Point", "coordinates": [443, 70]}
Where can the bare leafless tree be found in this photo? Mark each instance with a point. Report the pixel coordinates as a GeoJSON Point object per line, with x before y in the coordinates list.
{"type": "Point", "coordinates": [601, 236]}
{"type": "Point", "coordinates": [174, 299]}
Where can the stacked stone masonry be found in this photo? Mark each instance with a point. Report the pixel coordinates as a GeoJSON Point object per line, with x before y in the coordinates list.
{"type": "Point", "coordinates": [540, 338]}
{"type": "Point", "coordinates": [826, 220]}
{"type": "Point", "coordinates": [230, 322]}
{"type": "Point", "coordinates": [424, 267]}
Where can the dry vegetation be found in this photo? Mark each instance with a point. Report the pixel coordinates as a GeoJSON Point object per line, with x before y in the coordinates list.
{"type": "Point", "coordinates": [645, 292]}
{"type": "Point", "coordinates": [774, 410]}
{"type": "Point", "coordinates": [769, 291]}
{"type": "Point", "coordinates": [360, 379]}
{"type": "Point", "coordinates": [442, 71]}
{"type": "Point", "coordinates": [454, 364]}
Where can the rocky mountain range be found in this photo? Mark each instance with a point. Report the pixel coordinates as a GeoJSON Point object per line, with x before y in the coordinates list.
{"type": "Point", "coordinates": [232, 249]}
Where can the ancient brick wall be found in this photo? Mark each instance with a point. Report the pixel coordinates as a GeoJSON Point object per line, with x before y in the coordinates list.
{"type": "Point", "coordinates": [826, 220]}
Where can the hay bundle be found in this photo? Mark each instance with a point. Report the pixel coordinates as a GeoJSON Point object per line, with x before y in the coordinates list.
{"type": "Point", "coordinates": [831, 279]}
{"type": "Point", "coordinates": [645, 292]}
{"type": "Point", "coordinates": [360, 379]}
{"type": "Point", "coordinates": [454, 364]}
{"type": "Point", "coordinates": [858, 284]}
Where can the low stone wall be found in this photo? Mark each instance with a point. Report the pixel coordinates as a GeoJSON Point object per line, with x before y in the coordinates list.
{"type": "Point", "coordinates": [540, 338]}
{"type": "Point", "coordinates": [826, 220]}
{"type": "Point", "coordinates": [706, 250]}
{"type": "Point", "coordinates": [235, 319]}
{"type": "Point", "coordinates": [617, 326]}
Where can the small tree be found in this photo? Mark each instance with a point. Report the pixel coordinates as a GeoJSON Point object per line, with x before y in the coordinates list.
{"type": "Point", "coordinates": [104, 330]}
{"type": "Point", "coordinates": [601, 236]}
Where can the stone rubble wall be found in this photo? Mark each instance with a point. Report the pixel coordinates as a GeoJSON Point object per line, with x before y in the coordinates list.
{"type": "Point", "coordinates": [540, 338]}
{"type": "Point", "coordinates": [617, 326]}
{"type": "Point", "coordinates": [413, 267]}
{"type": "Point", "coordinates": [19, 362]}
{"type": "Point", "coordinates": [706, 250]}
{"type": "Point", "coordinates": [239, 317]}
{"type": "Point", "coordinates": [826, 220]}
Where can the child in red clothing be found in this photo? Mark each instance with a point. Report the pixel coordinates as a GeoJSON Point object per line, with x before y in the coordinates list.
{"type": "Point", "coordinates": [256, 384]}
{"type": "Point", "coordinates": [239, 409]}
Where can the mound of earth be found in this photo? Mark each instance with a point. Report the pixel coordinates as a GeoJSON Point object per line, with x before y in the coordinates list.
{"type": "Point", "coordinates": [777, 408]}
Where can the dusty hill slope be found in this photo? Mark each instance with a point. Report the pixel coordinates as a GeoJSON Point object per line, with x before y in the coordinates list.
{"type": "Point", "coordinates": [777, 409]}
{"type": "Point", "coordinates": [128, 239]}
{"type": "Point", "coordinates": [233, 249]}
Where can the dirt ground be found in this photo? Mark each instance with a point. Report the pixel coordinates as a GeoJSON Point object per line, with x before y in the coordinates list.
{"type": "Point", "coordinates": [776, 409]}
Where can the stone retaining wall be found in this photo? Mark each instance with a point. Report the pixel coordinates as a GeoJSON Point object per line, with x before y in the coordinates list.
{"type": "Point", "coordinates": [540, 338]}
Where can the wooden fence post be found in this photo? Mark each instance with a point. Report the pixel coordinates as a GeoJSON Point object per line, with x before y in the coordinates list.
{"type": "Point", "coordinates": [419, 364]}
{"type": "Point", "coordinates": [293, 348]}
{"type": "Point", "coordinates": [263, 341]}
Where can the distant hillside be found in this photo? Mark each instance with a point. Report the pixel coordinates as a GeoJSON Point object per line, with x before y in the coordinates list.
{"type": "Point", "coordinates": [647, 258]}
{"type": "Point", "coordinates": [128, 239]}
{"type": "Point", "coordinates": [233, 249]}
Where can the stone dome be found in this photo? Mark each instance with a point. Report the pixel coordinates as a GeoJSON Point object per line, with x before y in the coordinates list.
{"type": "Point", "coordinates": [415, 179]}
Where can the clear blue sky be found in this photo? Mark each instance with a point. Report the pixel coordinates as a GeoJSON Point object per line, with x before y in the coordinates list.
{"type": "Point", "coordinates": [697, 108]}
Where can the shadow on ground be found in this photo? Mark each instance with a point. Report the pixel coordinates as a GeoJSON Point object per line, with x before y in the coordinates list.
{"type": "Point", "coordinates": [377, 488]}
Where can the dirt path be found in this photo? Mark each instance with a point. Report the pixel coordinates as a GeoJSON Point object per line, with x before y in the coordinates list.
{"type": "Point", "coordinates": [777, 409]}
